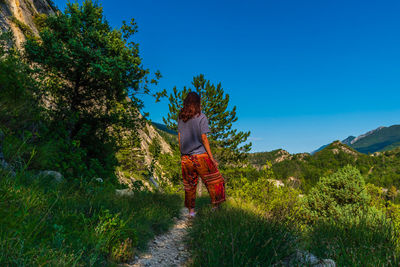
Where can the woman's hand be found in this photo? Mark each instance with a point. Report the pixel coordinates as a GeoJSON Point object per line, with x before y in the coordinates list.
{"type": "Point", "coordinates": [215, 162]}
{"type": "Point", "coordinates": [207, 147]}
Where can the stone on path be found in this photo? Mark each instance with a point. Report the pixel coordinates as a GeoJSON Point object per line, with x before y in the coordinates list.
{"type": "Point", "coordinates": [307, 258]}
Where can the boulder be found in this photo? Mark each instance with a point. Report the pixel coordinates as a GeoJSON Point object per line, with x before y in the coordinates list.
{"type": "Point", "coordinates": [154, 182]}
{"type": "Point", "coordinates": [58, 177]}
{"type": "Point", "coordinates": [98, 179]}
{"type": "Point", "coordinates": [124, 192]}
{"type": "Point", "coordinates": [307, 259]}
{"type": "Point", "coordinates": [276, 183]}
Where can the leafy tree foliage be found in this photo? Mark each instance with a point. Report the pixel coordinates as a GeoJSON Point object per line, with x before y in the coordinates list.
{"type": "Point", "coordinates": [18, 90]}
{"type": "Point", "coordinates": [70, 101]}
{"type": "Point", "coordinates": [89, 69]}
{"type": "Point", "coordinates": [228, 144]}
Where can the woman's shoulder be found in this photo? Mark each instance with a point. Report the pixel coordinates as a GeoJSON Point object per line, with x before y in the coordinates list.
{"type": "Point", "coordinates": [202, 115]}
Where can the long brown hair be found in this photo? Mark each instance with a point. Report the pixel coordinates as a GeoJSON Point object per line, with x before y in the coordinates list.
{"type": "Point", "coordinates": [191, 107]}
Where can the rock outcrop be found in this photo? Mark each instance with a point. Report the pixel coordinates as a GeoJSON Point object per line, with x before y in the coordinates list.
{"type": "Point", "coordinates": [149, 134]}
{"type": "Point", "coordinates": [337, 146]}
{"type": "Point", "coordinates": [18, 16]}
{"type": "Point", "coordinates": [307, 259]}
{"type": "Point", "coordinates": [282, 155]}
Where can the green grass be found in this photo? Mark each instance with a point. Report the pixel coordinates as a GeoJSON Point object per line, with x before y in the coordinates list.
{"type": "Point", "coordinates": [82, 224]}
{"type": "Point", "coordinates": [236, 235]}
{"type": "Point", "coordinates": [355, 244]}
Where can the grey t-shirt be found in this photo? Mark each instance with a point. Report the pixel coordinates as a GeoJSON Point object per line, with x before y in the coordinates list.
{"type": "Point", "coordinates": [191, 131]}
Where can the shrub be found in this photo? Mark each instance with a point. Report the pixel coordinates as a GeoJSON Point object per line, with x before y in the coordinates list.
{"type": "Point", "coordinates": [335, 195]}
{"type": "Point", "coordinates": [282, 202]}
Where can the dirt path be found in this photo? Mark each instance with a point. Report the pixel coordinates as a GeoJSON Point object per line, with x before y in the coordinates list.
{"type": "Point", "coordinates": [167, 249]}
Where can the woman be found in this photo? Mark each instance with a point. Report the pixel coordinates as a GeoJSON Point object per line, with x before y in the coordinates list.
{"type": "Point", "coordinates": [196, 157]}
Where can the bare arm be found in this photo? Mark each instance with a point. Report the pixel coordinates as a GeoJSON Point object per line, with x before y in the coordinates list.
{"type": "Point", "coordinates": [207, 147]}
{"type": "Point", "coordinates": [179, 141]}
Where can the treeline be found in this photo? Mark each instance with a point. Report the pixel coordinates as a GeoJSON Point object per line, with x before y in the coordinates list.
{"type": "Point", "coordinates": [381, 169]}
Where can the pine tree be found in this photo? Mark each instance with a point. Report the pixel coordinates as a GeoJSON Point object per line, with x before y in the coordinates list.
{"type": "Point", "coordinates": [228, 144]}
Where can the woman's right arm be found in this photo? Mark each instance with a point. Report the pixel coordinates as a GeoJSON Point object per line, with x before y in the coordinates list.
{"type": "Point", "coordinates": [207, 147]}
{"type": "Point", "coordinates": [179, 141]}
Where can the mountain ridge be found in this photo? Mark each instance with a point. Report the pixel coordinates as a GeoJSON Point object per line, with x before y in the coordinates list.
{"type": "Point", "coordinates": [380, 139]}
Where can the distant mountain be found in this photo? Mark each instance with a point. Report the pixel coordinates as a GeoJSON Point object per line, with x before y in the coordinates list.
{"type": "Point", "coordinates": [164, 128]}
{"type": "Point", "coordinates": [348, 140]}
{"type": "Point", "coordinates": [366, 135]}
{"type": "Point", "coordinates": [379, 139]}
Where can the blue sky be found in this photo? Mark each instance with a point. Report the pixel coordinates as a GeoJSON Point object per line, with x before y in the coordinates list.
{"type": "Point", "coordinates": [301, 73]}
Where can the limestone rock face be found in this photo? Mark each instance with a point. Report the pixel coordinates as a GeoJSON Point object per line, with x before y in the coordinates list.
{"type": "Point", "coordinates": [14, 12]}
{"type": "Point", "coordinates": [282, 155]}
{"type": "Point", "coordinates": [337, 146]}
{"type": "Point", "coordinates": [147, 134]}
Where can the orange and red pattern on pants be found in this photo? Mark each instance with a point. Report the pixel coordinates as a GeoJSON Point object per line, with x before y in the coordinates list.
{"type": "Point", "coordinates": [201, 165]}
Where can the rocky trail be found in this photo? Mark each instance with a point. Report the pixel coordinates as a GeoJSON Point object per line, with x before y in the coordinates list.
{"type": "Point", "coordinates": [167, 249]}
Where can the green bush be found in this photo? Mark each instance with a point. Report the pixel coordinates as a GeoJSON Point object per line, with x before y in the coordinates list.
{"type": "Point", "coordinates": [333, 196]}
{"type": "Point", "coordinates": [282, 202]}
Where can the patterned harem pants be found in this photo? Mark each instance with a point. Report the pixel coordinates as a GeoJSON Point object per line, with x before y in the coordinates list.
{"type": "Point", "coordinates": [201, 165]}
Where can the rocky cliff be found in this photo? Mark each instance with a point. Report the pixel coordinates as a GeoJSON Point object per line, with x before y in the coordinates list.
{"type": "Point", "coordinates": [18, 16]}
